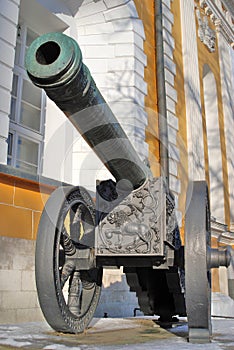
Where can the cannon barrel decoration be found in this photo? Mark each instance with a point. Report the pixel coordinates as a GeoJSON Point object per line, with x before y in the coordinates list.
{"type": "Point", "coordinates": [132, 224]}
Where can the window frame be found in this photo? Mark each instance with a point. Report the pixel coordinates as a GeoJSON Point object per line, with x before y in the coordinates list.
{"type": "Point", "coordinates": [16, 127]}
{"type": "Point", "coordinates": [13, 156]}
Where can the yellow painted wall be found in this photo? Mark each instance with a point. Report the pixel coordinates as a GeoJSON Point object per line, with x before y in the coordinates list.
{"type": "Point", "coordinates": [21, 204]}
{"type": "Point", "coordinates": [215, 272]}
{"type": "Point", "coordinates": [212, 59]}
{"type": "Point", "coordinates": [146, 12]}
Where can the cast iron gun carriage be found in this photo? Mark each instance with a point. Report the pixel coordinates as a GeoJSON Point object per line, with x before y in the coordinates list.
{"type": "Point", "coordinates": [132, 224]}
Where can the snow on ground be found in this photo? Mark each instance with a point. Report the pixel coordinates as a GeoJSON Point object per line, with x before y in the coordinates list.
{"type": "Point", "coordinates": [41, 336]}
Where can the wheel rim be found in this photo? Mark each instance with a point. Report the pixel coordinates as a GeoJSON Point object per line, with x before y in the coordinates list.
{"type": "Point", "coordinates": [197, 272]}
{"type": "Point", "coordinates": [72, 294]}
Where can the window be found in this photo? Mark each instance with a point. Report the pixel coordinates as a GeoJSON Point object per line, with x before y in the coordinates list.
{"type": "Point", "coordinates": [27, 114]}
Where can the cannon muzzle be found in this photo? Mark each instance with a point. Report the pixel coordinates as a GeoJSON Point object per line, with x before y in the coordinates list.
{"type": "Point", "coordinates": [54, 63]}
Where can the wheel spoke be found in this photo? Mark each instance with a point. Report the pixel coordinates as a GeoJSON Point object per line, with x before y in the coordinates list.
{"type": "Point", "coordinates": [68, 215]}
{"type": "Point", "coordinates": [67, 271]}
{"type": "Point", "coordinates": [74, 294]}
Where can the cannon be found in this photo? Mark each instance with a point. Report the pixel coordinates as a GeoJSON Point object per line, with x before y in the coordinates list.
{"type": "Point", "coordinates": [132, 222]}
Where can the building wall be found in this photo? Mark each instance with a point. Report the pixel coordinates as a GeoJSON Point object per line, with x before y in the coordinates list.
{"type": "Point", "coordinates": [21, 204]}
{"type": "Point", "coordinates": [214, 138]}
{"type": "Point", "coordinates": [205, 89]}
{"type": "Point", "coordinates": [18, 296]}
{"type": "Point", "coordinates": [146, 14]}
{"type": "Point", "coordinates": [195, 146]}
{"type": "Point", "coordinates": [226, 53]}
{"type": "Point", "coordinates": [218, 116]}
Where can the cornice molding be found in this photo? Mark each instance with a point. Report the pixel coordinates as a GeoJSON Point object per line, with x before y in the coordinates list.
{"type": "Point", "coordinates": [218, 18]}
{"type": "Point", "coordinates": [229, 4]}
{"type": "Point", "coordinates": [221, 233]}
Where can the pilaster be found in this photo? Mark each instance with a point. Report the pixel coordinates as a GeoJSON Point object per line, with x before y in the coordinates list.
{"type": "Point", "coordinates": [170, 70]}
{"type": "Point", "coordinates": [196, 161]}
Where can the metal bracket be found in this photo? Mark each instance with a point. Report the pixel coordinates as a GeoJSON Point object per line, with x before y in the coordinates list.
{"type": "Point", "coordinates": [78, 257]}
{"type": "Point", "coordinates": [218, 257]}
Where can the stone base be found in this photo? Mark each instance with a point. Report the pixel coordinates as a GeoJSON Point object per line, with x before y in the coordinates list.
{"type": "Point", "coordinates": [18, 296]}
{"type": "Point", "coordinates": [116, 299]}
{"type": "Point", "coordinates": [222, 305]}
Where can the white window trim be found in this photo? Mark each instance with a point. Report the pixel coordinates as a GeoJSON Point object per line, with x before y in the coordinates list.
{"type": "Point", "coordinates": [14, 150]}
{"type": "Point", "coordinates": [16, 128]}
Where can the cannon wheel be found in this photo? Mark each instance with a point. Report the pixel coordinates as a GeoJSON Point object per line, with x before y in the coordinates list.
{"type": "Point", "coordinates": [69, 212]}
{"type": "Point", "coordinates": [197, 272]}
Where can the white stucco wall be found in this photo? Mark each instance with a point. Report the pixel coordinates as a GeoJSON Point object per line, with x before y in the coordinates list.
{"type": "Point", "coordinates": [214, 146]}
{"type": "Point", "coordinates": [170, 71]}
{"type": "Point", "coordinates": [227, 77]}
{"type": "Point", "coordinates": [196, 163]}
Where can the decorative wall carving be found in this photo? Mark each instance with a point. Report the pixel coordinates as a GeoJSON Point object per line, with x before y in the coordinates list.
{"type": "Point", "coordinates": [220, 17]}
{"type": "Point", "coordinates": [205, 33]}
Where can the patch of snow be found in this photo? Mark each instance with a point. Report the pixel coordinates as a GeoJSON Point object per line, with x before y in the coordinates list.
{"type": "Point", "coordinates": [60, 347]}
{"type": "Point", "coordinates": [164, 344]}
{"type": "Point", "coordinates": [8, 328]}
{"type": "Point", "coordinates": [12, 342]}
{"type": "Point", "coordinates": [114, 324]}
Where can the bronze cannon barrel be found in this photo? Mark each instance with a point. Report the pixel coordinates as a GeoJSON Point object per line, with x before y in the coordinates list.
{"type": "Point", "coordinates": [54, 63]}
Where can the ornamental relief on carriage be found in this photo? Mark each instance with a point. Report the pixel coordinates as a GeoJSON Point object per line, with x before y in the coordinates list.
{"type": "Point", "coordinates": [134, 226]}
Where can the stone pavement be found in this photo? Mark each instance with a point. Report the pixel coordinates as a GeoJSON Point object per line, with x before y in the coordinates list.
{"type": "Point", "coordinates": [115, 334]}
